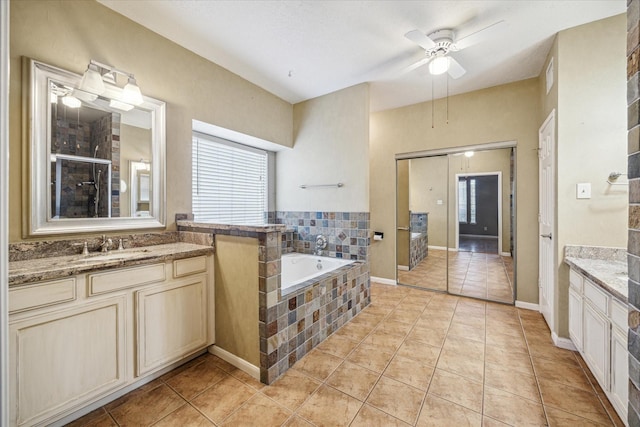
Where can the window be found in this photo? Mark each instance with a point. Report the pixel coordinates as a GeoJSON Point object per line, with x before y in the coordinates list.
{"type": "Point", "coordinates": [229, 182]}
{"type": "Point", "coordinates": [467, 200]}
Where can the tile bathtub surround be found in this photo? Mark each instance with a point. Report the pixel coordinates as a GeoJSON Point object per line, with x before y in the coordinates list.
{"type": "Point", "coordinates": [387, 368]}
{"type": "Point", "coordinates": [633, 92]}
{"type": "Point", "coordinates": [291, 325]}
{"type": "Point", "coordinates": [27, 250]}
{"type": "Point", "coordinates": [347, 233]}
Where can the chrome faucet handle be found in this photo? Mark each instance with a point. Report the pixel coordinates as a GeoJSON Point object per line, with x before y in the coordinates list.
{"type": "Point", "coordinates": [106, 244]}
{"type": "Point", "coordinates": [85, 248]}
{"type": "Point", "coordinates": [120, 247]}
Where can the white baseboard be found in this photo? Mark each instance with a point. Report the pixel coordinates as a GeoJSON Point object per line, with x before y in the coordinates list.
{"type": "Point", "coordinates": [505, 254]}
{"type": "Point", "coordinates": [442, 248]}
{"type": "Point", "coordinates": [528, 305]}
{"type": "Point", "coordinates": [236, 361]}
{"type": "Point", "coordinates": [565, 343]}
{"type": "Point", "coordinates": [403, 267]}
{"type": "Point", "coordinates": [383, 281]}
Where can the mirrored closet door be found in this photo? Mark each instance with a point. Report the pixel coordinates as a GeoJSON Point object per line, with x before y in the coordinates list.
{"type": "Point", "coordinates": [456, 222]}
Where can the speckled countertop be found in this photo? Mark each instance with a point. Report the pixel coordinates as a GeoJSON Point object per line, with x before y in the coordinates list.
{"type": "Point", "coordinates": [35, 270]}
{"type": "Point", "coordinates": [231, 227]}
{"type": "Point", "coordinates": [606, 267]}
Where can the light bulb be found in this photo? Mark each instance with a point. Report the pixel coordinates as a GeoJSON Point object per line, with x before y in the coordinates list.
{"type": "Point", "coordinates": [468, 153]}
{"type": "Point", "coordinates": [439, 65]}
{"type": "Point", "coordinates": [131, 93]}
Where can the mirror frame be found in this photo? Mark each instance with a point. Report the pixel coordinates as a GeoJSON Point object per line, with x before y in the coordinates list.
{"type": "Point", "coordinates": [40, 74]}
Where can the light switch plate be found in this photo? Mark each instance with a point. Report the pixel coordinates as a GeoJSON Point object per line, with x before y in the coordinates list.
{"type": "Point", "coordinates": [583, 190]}
{"type": "Point", "coordinates": [439, 202]}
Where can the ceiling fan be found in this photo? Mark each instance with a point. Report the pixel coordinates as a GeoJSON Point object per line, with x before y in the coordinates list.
{"type": "Point", "coordinates": [439, 44]}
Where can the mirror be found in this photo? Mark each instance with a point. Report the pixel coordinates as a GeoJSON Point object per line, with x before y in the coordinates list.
{"type": "Point", "coordinates": [96, 163]}
{"type": "Point", "coordinates": [455, 216]}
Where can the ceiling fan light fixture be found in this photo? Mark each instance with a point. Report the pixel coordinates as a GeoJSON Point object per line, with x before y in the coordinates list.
{"type": "Point", "coordinates": [439, 65]}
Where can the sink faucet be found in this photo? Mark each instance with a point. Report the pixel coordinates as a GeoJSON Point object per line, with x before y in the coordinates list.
{"type": "Point", "coordinates": [106, 244]}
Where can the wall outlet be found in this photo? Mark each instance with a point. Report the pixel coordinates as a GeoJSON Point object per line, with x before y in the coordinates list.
{"type": "Point", "coordinates": [583, 190]}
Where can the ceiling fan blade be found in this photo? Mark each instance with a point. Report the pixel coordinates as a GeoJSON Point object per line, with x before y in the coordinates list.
{"type": "Point", "coordinates": [481, 35]}
{"type": "Point", "coordinates": [455, 69]}
{"type": "Point", "coordinates": [421, 39]}
{"type": "Point", "coordinates": [415, 65]}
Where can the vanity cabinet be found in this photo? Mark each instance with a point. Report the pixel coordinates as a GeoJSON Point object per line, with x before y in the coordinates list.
{"type": "Point", "coordinates": [81, 339]}
{"type": "Point", "coordinates": [597, 327]}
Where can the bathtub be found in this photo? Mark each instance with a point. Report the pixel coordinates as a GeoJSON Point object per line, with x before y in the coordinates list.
{"type": "Point", "coordinates": [298, 268]}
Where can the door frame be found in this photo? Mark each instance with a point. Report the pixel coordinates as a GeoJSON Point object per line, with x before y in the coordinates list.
{"type": "Point", "coordinates": [457, 222]}
{"type": "Point", "coordinates": [548, 313]}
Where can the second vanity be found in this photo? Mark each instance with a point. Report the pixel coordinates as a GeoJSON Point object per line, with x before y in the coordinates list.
{"type": "Point", "coordinates": [83, 328]}
{"type": "Point", "coordinates": [598, 316]}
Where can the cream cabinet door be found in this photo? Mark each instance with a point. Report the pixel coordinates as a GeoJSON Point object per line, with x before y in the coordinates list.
{"type": "Point", "coordinates": [596, 344]}
{"type": "Point", "coordinates": [62, 359]}
{"type": "Point", "coordinates": [171, 322]}
{"type": "Point", "coordinates": [619, 372]}
{"type": "Point", "coordinates": [575, 318]}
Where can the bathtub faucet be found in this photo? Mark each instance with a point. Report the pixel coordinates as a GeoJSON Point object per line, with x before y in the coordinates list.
{"type": "Point", "coordinates": [321, 243]}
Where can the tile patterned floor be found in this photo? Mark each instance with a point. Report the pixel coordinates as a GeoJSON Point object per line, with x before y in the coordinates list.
{"type": "Point", "coordinates": [473, 274]}
{"type": "Point", "coordinates": [412, 358]}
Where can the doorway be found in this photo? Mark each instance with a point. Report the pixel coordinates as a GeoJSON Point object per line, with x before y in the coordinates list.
{"type": "Point", "coordinates": [435, 190]}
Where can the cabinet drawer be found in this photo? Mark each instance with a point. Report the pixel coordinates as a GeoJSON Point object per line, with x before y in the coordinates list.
{"type": "Point", "coordinates": [619, 314]}
{"type": "Point", "coordinates": [184, 267]}
{"type": "Point", "coordinates": [41, 295]}
{"type": "Point", "coordinates": [575, 280]}
{"type": "Point", "coordinates": [109, 281]}
{"type": "Point", "coordinates": [598, 297]}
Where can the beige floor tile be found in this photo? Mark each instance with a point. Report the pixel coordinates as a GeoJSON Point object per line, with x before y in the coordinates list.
{"type": "Point", "coordinates": [318, 364]}
{"type": "Point", "coordinates": [490, 422]}
{"type": "Point", "coordinates": [438, 412]}
{"type": "Point", "coordinates": [189, 364]}
{"type": "Point", "coordinates": [330, 407]}
{"type": "Point", "coordinates": [258, 411]}
{"type": "Point", "coordinates": [434, 337]}
{"type": "Point", "coordinates": [397, 399]}
{"type": "Point", "coordinates": [572, 400]}
{"type": "Point", "coordinates": [437, 323]}
{"type": "Point", "coordinates": [196, 379]}
{"type": "Point", "coordinates": [368, 356]}
{"type": "Point", "coordinates": [565, 373]}
{"type": "Point", "coordinates": [457, 389]}
{"type": "Point", "coordinates": [409, 371]}
{"type": "Point", "coordinates": [515, 361]}
{"type": "Point", "coordinates": [396, 328]}
{"type": "Point", "coordinates": [292, 389]}
{"type": "Point", "coordinates": [247, 379]}
{"type": "Point", "coordinates": [353, 332]}
{"type": "Point", "coordinates": [513, 343]}
{"type": "Point", "coordinates": [337, 345]}
{"type": "Point", "coordinates": [296, 421]}
{"type": "Point", "coordinates": [133, 394]}
{"type": "Point", "coordinates": [464, 346]}
{"type": "Point", "coordinates": [502, 378]}
{"type": "Point", "coordinates": [185, 416]}
{"type": "Point", "coordinates": [467, 365]}
{"type": "Point", "coordinates": [404, 316]}
{"type": "Point", "coordinates": [373, 417]}
{"type": "Point", "coordinates": [512, 409]}
{"type": "Point", "coordinates": [221, 364]}
{"type": "Point", "coordinates": [419, 351]}
{"type": "Point", "coordinates": [466, 331]}
{"type": "Point", "coordinates": [353, 379]}
{"type": "Point", "coordinates": [552, 352]}
{"type": "Point", "coordinates": [98, 417]}
{"type": "Point", "coordinates": [223, 398]}
{"type": "Point", "coordinates": [386, 342]}
{"type": "Point", "coordinates": [558, 418]}
{"type": "Point", "coordinates": [147, 408]}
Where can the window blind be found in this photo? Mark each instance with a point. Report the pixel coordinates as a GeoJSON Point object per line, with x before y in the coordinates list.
{"type": "Point", "coordinates": [229, 182]}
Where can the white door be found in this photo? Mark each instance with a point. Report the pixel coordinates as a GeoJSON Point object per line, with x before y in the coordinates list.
{"type": "Point", "coordinates": [546, 277]}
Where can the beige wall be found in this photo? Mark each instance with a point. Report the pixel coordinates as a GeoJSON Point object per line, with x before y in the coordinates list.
{"type": "Point", "coordinates": [402, 209]}
{"type": "Point", "coordinates": [591, 143]}
{"type": "Point", "coordinates": [69, 33]}
{"type": "Point", "coordinates": [237, 297]}
{"type": "Point", "coordinates": [503, 113]}
{"type": "Point", "coordinates": [136, 147]}
{"type": "Point", "coordinates": [331, 135]}
{"type": "Point", "coordinates": [428, 179]}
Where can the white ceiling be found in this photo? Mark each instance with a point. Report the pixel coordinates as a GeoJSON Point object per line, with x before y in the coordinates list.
{"type": "Point", "coordinates": [299, 50]}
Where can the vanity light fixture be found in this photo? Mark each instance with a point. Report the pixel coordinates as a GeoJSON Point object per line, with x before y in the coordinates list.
{"type": "Point", "coordinates": [97, 73]}
{"type": "Point", "coordinates": [114, 103]}
{"type": "Point", "coordinates": [71, 101]}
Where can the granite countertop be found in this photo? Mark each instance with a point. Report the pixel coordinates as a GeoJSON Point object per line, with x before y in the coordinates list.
{"type": "Point", "coordinates": [35, 270]}
{"type": "Point", "coordinates": [231, 227]}
{"type": "Point", "coordinates": [606, 267]}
